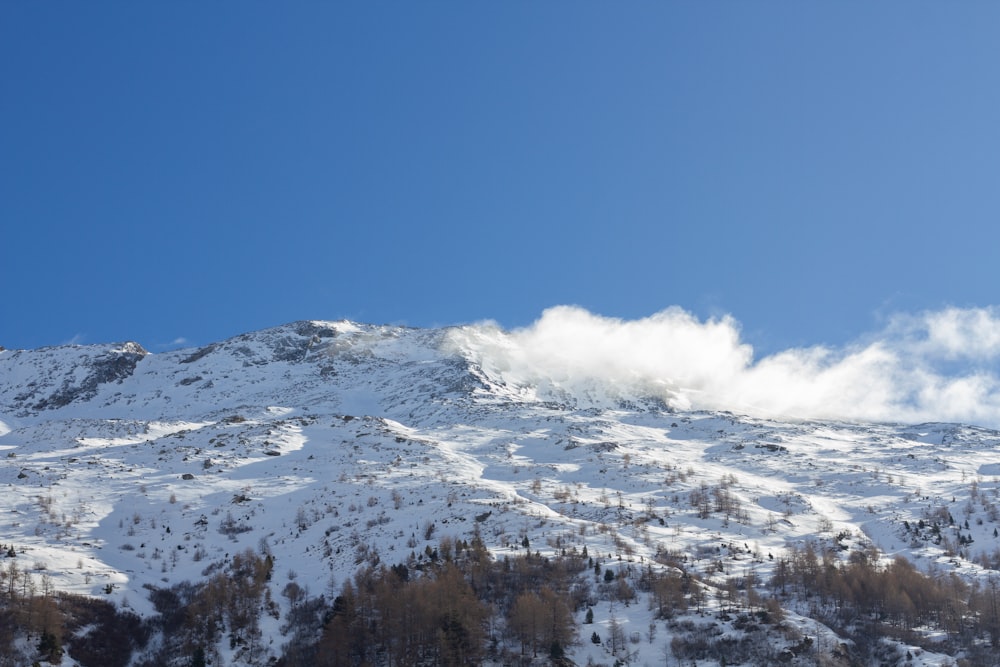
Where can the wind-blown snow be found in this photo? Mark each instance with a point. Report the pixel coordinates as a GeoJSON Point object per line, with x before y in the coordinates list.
{"type": "Point", "coordinates": [936, 366]}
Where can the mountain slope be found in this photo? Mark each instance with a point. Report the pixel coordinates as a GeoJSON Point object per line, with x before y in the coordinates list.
{"type": "Point", "coordinates": [331, 446]}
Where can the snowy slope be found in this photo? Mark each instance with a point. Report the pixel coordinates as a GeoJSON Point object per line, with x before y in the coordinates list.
{"type": "Point", "coordinates": [332, 444]}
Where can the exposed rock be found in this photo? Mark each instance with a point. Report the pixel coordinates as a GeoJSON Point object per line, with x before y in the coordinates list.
{"type": "Point", "coordinates": [112, 366]}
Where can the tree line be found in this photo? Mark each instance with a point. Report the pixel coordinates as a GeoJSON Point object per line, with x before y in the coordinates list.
{"type": "Point", "coordinates": [867, 597]}
{"type": "Point", "coordinates": [459, 605]}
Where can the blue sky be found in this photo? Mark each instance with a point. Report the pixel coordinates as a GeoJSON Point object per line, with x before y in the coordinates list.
{"type": "Point", "coordinates": [195, 170]}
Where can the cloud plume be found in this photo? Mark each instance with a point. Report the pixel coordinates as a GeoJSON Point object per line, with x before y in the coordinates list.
{"type": "Point", "coordinates": [933, 366]}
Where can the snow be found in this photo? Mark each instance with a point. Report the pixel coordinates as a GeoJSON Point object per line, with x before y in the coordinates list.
{"type": "Point", "coordinates": [316, 438]}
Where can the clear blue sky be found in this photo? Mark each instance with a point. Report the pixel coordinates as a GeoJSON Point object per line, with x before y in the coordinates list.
{"type": "Point", "coordinates": [196, 170]}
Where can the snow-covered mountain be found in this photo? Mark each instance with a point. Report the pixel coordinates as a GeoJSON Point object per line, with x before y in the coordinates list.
{"type": "Point", "coordinates": [332, 445]}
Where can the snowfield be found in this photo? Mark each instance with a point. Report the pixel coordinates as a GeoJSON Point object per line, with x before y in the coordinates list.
{"type": "Point", "coordinates": [323, 444]}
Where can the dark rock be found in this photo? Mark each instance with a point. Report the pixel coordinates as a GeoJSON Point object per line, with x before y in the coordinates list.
{"type": "Point", "coordinates": [112, 366]}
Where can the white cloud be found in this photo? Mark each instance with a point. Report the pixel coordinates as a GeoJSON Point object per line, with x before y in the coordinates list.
{"type": "Point", "coordinates": [934, 366]}
{"type": "Point", "coordinates": [952, 333]}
